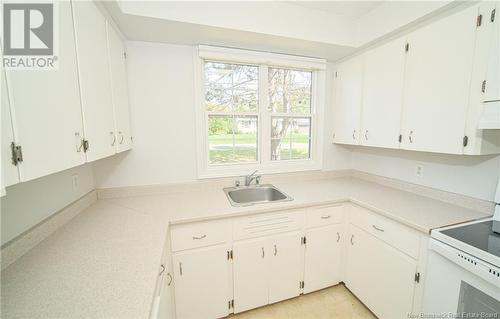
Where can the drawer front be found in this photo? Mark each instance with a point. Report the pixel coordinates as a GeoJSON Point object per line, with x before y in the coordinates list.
{"type": "Point", "coordinates": [267, 224]}
{"type": "Point", "coordinates": [195, 235]}
{"type": "Point", "coordinates": [321, 216]}
{"type": "Point", "coordinates": [393, 233]}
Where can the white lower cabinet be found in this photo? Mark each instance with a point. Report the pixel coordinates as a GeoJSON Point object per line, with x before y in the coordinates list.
{"type": "Point", "coordinates": [266, 270]}
{"type": "Point", "coordinates": [250, 274]}
{"type": "Point", "coordinates": [382, 277]}
{"type": "Point", "coordinates": [234, 265]}
{"type": "Point", "coordinates": [285, 268]}
{"type": "Point", "coordinates": [322, 257]}
{"type": "Point", "coordinates": [202, 282]}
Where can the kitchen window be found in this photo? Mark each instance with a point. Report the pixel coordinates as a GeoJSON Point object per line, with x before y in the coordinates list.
{"type": "Point", "coordinates": [257, 111]}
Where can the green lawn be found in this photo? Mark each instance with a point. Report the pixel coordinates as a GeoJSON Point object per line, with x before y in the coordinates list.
{"type": "Point", "coordinates": [249, 138]}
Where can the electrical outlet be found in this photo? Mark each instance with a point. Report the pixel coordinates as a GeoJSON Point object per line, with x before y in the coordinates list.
{"type": "Point", "coordinates": [76, 181]}
{"type": "Point", "coordinates": [419, 170]}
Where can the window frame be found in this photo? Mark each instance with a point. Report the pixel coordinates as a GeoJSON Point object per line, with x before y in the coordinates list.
{"type": "Point", "coordinates": [264, 61]}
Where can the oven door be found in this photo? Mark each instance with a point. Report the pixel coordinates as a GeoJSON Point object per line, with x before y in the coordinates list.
{"type": "Point", "coordinates": [458, 284]}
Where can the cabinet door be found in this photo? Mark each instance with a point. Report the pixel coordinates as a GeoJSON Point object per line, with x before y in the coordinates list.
{"type": "Point", "coordinates": [322, 258]}
{"type": "Point", "coordinates": [201, 280]}
{"type": "Point", "coordinates": [348, 94]}
{"type": "Point", "coordinates": [10, 174]}
{"type": "Point", "coordinates": [493, 76]}
{"type": "Point", "coordinates": [95, 80]}
{"type": "Point", "coordinates": [369, 261]}
{"type": "Point", "coordinates": [250, 274]}
{"type": "Point", "coordinates": [46, 110]}
{"type": "Point", "coordinates": [119, 90]}
{"type": "Point", "coordinates": [286, 266]}
{"type": "Point", "coordinates": [437, 83]}
{"type": "Point", "coordinates": [383, 95]}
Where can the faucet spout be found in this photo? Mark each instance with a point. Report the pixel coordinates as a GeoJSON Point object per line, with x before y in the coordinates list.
{"type": "Point", "coordinates": [250, 178]}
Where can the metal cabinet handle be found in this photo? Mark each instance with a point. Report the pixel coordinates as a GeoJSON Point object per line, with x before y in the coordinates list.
{"type": "Point", "coordinates": [180, 269]}
{"type": "Point", "coordinates": [366, 135]}
{"type": "Point", "coordinates": [169, 279]}
{"type": "Point", "coordinates": [376, 228]}
{"type": "Point", "coordinates": [410, 137]}
{"type": "Point", "coordinates": [338, 237]}
{"type": "Point", "coordinates": [121, 137]}
{"type": "Point", "coordinates": [354, 135]}
{"type": "Point", "coordinates": [275, 250]}
{"type": "Point", "coordinates": [79, 142]}
{"type": "Point", "coordinates": [263, 253]}
{"type": "Point", "coordinates": [162, 267]}
{"type": "Point", "coordinates": [114, 138]}
{"type": "Point", "coordinates": [326, 217]}
{"type": "Point", "coordinates": [352, 240]}
{"type": "Point", "coordinates": [200, 237]}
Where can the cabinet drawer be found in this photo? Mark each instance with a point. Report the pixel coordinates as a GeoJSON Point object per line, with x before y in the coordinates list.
{"type": "Point", "coordinates": [188, 236]}
{"type": "Point", "coordinates": [267, 224]}
{"type": "Point", "coordinates": [393, 233]}
{"type": "Point", "coordinates": [321, 216]}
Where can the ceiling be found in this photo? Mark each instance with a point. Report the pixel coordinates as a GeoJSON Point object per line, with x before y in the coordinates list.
{"type": "Point", "coordinates": [353, 9]}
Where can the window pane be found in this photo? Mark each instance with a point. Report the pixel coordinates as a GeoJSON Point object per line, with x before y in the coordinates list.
{"type": "Point", "coordinates": [301, 138]}
{"type": "Point", "coordinates": [232, 139]}
{"type": "Point", "coordinates": [231, 87]}
{"type": "Point", "coordinates": [289, 91]}
{"type": "Point", "coordinates": [290, 138]}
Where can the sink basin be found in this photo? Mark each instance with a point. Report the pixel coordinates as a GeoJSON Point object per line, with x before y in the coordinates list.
{"type": "Point", "coordinates": [255, 194]}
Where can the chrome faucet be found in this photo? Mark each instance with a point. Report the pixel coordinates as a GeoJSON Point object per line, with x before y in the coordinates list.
{"type": "Point", "coordinates": [251, 177]}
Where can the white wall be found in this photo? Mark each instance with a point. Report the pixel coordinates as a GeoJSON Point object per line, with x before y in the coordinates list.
{"type": "Point", "coordinates": [27, 204]}
{"type": "Point", "coordinates": [475, 176]}
{"type": "Point", "coordinates": [162, 105]}
{"type": "Point", "coordinates": [161, 91]}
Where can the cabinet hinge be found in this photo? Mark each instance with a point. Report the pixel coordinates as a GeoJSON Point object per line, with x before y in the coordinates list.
{"type": "Point", "coordinates": [301, 284]}
{"type": "Point", "coordinates": [483, 86]}
{"type": "Point", "coordinates": [465, 141]}
{"type": "Point", "coordinates": [400, 138]}
{"type": "Point", "coordinates": [303, 240]}
{"type": "Point", "coordinates": [336, 74]}
{"type": "Point", "coordinates": [407, 47]}
{"type": "Point", "coordinates": [17, 153]}
{"type": "Point", "coordinates": [492, 17]}
{"type": "Point", "coordinates": [124, 54]}
{"type": "Point", "coordinates": [230, 304]}
{"type": "Point", "coordinates": [417, 277]}
{"type": "Point", "coordinates": [479, 20]}
{"type": "Point", "coordinates": [229, 254]}
{"type": "Point", "coordinates": [85, 144]}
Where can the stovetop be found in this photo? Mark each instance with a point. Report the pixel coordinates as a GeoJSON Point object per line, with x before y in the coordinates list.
{"type": "Point", "coordinates": [478, 235]}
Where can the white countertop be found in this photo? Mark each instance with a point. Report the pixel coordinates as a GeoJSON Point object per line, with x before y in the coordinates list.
{"type": "Point", "coordinates": [104, 262]}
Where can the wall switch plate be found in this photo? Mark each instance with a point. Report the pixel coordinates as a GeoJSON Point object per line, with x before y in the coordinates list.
{"type": "Point", "coordinates": [76, 181]}
{"type": "Point", "coordinates": [419, 170]}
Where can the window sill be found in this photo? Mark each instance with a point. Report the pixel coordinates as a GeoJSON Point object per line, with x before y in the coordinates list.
{"type": "Point", "coordinates": [235, 170]}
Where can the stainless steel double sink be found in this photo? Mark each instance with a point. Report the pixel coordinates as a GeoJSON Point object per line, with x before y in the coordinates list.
{"type": "Point", "coordinates": [255, 194]}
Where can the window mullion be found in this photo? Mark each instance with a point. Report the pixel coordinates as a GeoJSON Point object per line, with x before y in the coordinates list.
{"type": "Point", "coordinates": [265, 125]}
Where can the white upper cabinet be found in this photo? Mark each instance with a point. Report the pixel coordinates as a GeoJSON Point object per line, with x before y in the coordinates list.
{"type": "Point", "coordinates": [484, 84]}
{"type": "Point", "coordinates": [46, 112]}
{"type": "Point", "coordinates": [437, 84]}
{"type": "Point", "coordinates": [9, 174]}
{"type": "Point", "coordinates": [490, 14]}
{"type": "Point", "coordinates": [119, 86]}
{"type": "Point", "coordinates": [383, 94]}
{"type": "Point", "coordinates": [348, 97]}
{"type": "Point", "coordinates": [95, 80]}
